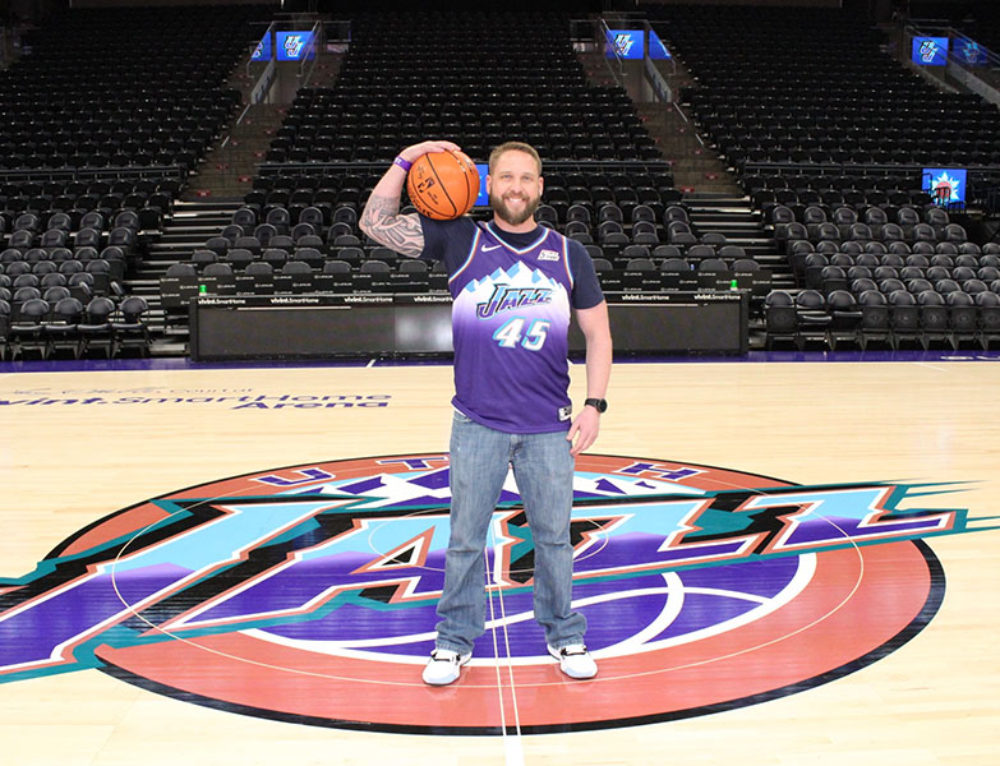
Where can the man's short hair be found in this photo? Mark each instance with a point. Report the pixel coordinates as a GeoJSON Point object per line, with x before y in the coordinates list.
{"type": "Point", "coordinates": [514, 146]}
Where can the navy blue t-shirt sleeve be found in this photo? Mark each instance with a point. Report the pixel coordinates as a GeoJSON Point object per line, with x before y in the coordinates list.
{"type": "Point", "coordinates": [587, 291]}
{"type": "Point", "coordinates": [447, 240]}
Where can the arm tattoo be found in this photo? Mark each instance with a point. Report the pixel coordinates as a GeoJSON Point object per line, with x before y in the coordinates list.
{"type": "Point", "coordinates": [381, 221]}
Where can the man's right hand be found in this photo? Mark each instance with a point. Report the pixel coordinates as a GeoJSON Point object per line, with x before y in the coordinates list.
{"type": "Point", "coordinates": [415, 152]}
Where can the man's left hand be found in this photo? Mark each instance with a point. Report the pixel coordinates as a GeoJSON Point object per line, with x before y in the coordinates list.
{"type": "Point", "coordinates": [584, 430]}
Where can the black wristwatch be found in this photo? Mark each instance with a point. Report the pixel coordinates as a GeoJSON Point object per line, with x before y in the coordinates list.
{"type": "Point", "coordinates": [598, 404]}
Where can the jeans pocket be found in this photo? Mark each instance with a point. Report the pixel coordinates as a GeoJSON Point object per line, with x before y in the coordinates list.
{"type": "Point", "coordinates": [461, 417]}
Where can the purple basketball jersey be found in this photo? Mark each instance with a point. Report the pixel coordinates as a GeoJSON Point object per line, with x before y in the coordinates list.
{"type": "Point", "coordinates": [510, 321]}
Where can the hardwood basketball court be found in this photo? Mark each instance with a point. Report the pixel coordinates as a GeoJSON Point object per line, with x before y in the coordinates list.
{"type": "Point", "coordinates": [81, 445]}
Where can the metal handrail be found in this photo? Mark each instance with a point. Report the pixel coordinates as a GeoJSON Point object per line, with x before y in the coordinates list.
{"type": "Point", "coordinates": [604, 32]}
{"type": "Point", "coordinates": [307, 64]}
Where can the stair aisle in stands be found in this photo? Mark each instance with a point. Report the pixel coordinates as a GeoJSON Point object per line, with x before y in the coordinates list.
{"type": "Point", "coordinates": [190, 226]}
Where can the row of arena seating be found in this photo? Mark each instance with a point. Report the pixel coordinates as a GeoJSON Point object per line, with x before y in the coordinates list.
{"type": "Point", "coordinates": [150, 200]}
{"type": "Point", "coordinates": [781, 191]}
{"type": "Point", "coordinates": [350, 124]}
{"type": "Point", "coordinates": [898, 319]}
{"type": "Point", "coordinates": [627, 186]}
{"type": "Point", "coordinates": [875, 214]}
{"type": "Point", "coordinates": [330, 219]}
{"type": "Point", "coordinates": [889, 237]}
{"type": "Point", "coordinates": [29, 228]}
{"type": "Point", "coordinates": [908, 232]}
{"type": "Point", "coordinates": [279, 232]}
{"type": "Point", "coordinates": [64, 326]}
{"type": "Point", "coordinates": [274, 178]}
{"type": "Point", "coordinates": [350, 249]}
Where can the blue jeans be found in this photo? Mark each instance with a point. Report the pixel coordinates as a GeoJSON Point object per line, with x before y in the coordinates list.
{"type": "Point", "coordinates": [543, 471]}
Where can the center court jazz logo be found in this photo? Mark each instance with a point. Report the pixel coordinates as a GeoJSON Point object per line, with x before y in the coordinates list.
{"type": "Point", "coordinates": [307, 594]}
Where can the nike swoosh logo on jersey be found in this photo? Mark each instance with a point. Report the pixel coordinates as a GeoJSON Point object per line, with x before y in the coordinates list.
{"type": "Point", "coordinates": [486, 249]}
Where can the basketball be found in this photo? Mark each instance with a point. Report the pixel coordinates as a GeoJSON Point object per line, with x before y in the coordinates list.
{"type": "Point", "coordinates": [443, 185]}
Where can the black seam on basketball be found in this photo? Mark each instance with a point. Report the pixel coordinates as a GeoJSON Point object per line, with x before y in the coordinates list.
{"type": "Point", "coordinates": [441, 186]}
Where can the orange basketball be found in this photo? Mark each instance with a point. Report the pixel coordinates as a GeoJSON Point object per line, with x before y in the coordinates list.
{"type": "Point", "coordinates": [443, 185]}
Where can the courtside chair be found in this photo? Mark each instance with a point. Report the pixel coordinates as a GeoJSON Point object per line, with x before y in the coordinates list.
{"type": "Point", "coordinates": [26, 330]}
{"type": "Point", "coordinates": [780, 318]}
{"type": "Point", "coordinates": [130, 331]}
{"type": "Point", "coordinates": [61, 332]}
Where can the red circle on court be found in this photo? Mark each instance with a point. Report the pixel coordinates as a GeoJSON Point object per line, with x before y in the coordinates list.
{"type": "Point", "coordinates": [855, 606]}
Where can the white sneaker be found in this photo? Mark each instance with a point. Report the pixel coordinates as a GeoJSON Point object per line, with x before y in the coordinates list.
{"type": "Point", "coordinates": [575, 661]}
{"type": "Point", "coordinates": [444, 666]}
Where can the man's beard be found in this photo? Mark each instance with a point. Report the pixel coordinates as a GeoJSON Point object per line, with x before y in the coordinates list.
{"type": "Point", "coordinates": [504, 213]}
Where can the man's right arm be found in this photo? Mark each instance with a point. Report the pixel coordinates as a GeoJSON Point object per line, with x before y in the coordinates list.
{"type": "Point", "coordinates": [381, 220]}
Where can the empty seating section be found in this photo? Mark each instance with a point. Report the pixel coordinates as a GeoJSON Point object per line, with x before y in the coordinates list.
{"type": "Point", "coordinates": [102, 122]}
{"type": "Point", "coordinates": [58, 277]}
{"type": "Point", "coordinates": [479, 79]}
{"type": "Point", "coordinates": [120, 88]}
{"type": "Point", "coordinates": [828, 134]}
{"type": "Point", "coordinates": [887, 274]}
{"type": "Point", "coordinates": [808, 98]}
{"type": "Point", "coordinates": [106, 118]}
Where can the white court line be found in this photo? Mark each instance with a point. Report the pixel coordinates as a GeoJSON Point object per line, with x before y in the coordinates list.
{"type": "Point", "coordinates": [930, 366]}
{"type": "Point", "coordinates": [513, 746]}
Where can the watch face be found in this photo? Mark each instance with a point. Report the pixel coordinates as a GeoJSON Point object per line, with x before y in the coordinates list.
{"type": "Point", "coordinates": [599, 404]}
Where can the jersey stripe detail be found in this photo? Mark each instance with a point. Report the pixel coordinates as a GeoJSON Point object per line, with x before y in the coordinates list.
{"type": "Point", "coordinates": [468, 259]}
{"type": "Point", "coordinates": [565, 256]}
